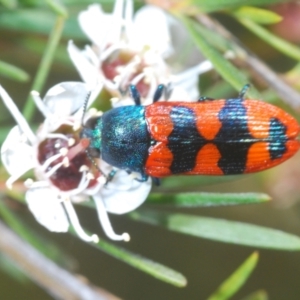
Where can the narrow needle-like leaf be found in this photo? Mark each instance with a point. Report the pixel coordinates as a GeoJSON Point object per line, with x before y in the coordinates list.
{"type": "Point", "coordinates": [236, 280]}
{"type": "Point", "coordinates": [221, 230]}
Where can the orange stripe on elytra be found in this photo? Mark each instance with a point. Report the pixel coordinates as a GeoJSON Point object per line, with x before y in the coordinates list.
{"type": "Point", "coordinates": [207, 118]}
{"type": "Point", "coordinates": [159, 161]}
{"type": "Point", "coordinates": [206, 113]}
{"type": "Point", "coordinates": [259, 115]}
{"type": "Point", "coordinates": [259, 159]}
{"type": "Point", "coordinates": [159, 121]}
{"type": "Point", "coordinates": [207, 161]}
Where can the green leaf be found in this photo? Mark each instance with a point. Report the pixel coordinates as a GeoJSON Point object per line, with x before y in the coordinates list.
{"type": "Point", "coordinates": [276, 42]}
{"type": "Point", "coordinates": [47, 248]}
{"type": "Point", "coordinates": [186, 182]}
{"type": "Point", "coordinates": [196, 6]}
{"type": "Point", "coordinates": [13, 72]}
{"type": "Point", "coordinates": [141, 263]}
{"type": "Point", "coordinates": [258, 295]}
{"type": "Point", "coordinates": [235, 281]}
{"type": "Point", "coordinates": [44, 66]}
{"type": "Point", "coordinates": [221, 230]}
{"type": "Point", "coordinates": [206, 199]}
{"type": "Point", "coordinates": [38, 21]}
{"type": "Point", "coordinates": [229, 72]}
{"type": "Point", "coordinates": [146, 265]}
{"type": "Point", "coordinates": [257, 15]}
{"type": "Point", "coordinates": [10, 4]}
{"type": "Point", "coordinates": [58, 8]}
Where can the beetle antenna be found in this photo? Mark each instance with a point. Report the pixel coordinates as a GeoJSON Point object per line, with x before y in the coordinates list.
{"type": "Point", "coordinates": [88, 154]}
{"type": "Point", "coordinates": [91, 158]}
{"type": "Point", "coordinates": [85, 106]}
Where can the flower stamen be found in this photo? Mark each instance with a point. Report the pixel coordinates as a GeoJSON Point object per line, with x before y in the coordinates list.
{"type": "Point", "coordinates": [76, 225]}
{"type": "Point", "coordinates": [80, 147]}
{"type": "Point", "coordinates": [106, 225]}
{"type": "Point", "coordinates": [50, 160]}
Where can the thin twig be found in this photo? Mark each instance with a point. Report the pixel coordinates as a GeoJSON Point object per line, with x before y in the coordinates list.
{"type": "Point", "coordinates": [45, 65]}
{"type": "Point", "coordinates": [288, 94]}
{"type": "Point", "coordinates": [58, 282]}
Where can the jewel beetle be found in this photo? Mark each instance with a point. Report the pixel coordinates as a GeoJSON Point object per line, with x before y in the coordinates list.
{"type": "Point", "coordinates": [208, 137]}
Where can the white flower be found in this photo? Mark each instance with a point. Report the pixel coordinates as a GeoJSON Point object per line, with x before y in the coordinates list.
{"type": "Point", "coordinates": [64, 174]}
{"type": "Point", "coordinates": [146, 49]}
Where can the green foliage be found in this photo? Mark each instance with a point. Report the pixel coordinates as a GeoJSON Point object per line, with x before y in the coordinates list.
{"type": "Point", "coordinates": [221, 230]}
{"type": "Point", "coordinates": [234, 282]}
{"type": "Point", "coordinates": [46, 26]}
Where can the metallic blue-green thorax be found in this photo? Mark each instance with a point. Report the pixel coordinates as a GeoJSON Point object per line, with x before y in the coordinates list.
{"type": "Point", "coordinates": [93, 131]}
{"type": "Point", "coordinates": [122, 138]}
{"type": "Point", "coordinates": [96, 135]}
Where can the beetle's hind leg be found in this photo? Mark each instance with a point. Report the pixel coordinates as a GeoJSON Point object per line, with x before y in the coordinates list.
{"type": "Point", "coordinates": [244, 90]}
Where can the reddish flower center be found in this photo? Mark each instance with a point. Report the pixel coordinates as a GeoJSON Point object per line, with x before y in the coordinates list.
{"type": "Point", "coordinates": [66, 177]}
{"type": "Point", "coordinates": [110, 69]}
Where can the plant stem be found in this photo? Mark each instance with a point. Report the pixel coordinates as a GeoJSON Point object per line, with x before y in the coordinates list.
{"type": "Point", "coordinates": [44, 66]}
{"type": "Point", "coordinates": [55, 280]}
{"type": "Point", "coordinates": [287, 93]}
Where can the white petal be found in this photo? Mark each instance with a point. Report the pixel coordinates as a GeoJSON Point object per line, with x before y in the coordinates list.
{"type": "Point", "coordinates": [17, 115]}
{"type": "Point", "coordinates": [17, 156]}
{"type": "Point", "coordinates": [47, 209]}
{"type": "Point", "coordinates": [94, 94]}
{"type": "Point", "coordinates": [102, 28]}
{"type": "Point", "coordinates": [124, 194]}
{"type": "Point", "coordinates": [94, 22]}
{"type": "Point", "coordinates": [193, 73]}
{"type": "Point", "coordinates": [151, 29]}
{"type": "Point", "coordinates": [66, 98]}
{"type": "Point", "coordinates": [85, 64]}
{"type": "Point", "coordinates": [188, 79]}
{"type": "Point", "coordinates": [181, 94]}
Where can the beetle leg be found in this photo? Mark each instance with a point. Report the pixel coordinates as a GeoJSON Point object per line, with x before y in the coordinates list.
{"type": "Point", "coordinates": [110, 176]}
{"type": "Point", "coordinates": [202, 99]}
{"type": "Point", "coordinates": [158, 92]}
{"type": "Point", "coordinates": [244, 90]}
{"type": "Point", "coordinates": [135, 94]}
{"type": "Point", "coordinates": [143, 178]}
{"type": "Point", "coordinates": [156, 181]}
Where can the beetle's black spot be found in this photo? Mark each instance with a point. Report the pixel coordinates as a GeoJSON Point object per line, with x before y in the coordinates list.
{"type": "Point", "coordinates": [234, 139]}
{"type": "Point", "coordinates": [277, 136]}
{"type": "Point", "coordinates": [184, 141]}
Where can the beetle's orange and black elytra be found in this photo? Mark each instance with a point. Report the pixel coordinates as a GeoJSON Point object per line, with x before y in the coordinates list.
{"type": "Point", "coordinates": [219, 137]}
